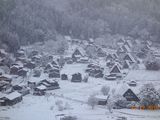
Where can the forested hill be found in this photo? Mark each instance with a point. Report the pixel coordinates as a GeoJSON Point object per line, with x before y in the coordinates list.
{"type": "Point", "coordinates": [27, 21]}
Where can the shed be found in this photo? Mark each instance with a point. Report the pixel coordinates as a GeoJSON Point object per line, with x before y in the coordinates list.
{"type": "Point", "coordinates": [132, 83]}
{"type": "Point", "coordinates": [40, 90]}
{"type": "Point", "coordinates": [101, 99]}
{"type": "Point", "coordinates": [77, 77]}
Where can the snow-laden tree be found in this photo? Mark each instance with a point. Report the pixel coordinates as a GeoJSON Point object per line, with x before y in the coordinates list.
{"type": "Point", "coordinates": [149, 96]}
{"type": "Point", "coordinates": [105, 90]}
{"type": "Point", "coordinates": [92, 101]}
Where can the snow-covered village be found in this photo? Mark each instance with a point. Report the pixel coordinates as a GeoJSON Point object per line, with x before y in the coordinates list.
{"type": "Point", "coordinates": [62, 68]}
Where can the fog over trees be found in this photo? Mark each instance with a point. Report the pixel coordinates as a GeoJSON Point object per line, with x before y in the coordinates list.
{"type": "Point", "coordinates": [23, 22]}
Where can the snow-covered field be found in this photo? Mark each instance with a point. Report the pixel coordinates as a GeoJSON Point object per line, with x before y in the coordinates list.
{"type": "Point", "coordinates": [75, 95]}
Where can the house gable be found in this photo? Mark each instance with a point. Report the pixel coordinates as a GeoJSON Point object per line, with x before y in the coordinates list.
{"type": "Point", "coordinates": [115, 69]}
{"type": "Point", "coordinates": [130, 96]}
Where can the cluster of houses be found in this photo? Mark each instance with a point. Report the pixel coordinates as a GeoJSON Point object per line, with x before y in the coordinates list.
{"type": "Point", "coordinates": [26, 68]}
{"type": "Point", "coordinates": [34, 63]}
{"type": "Point", "coordinates": [124, 58]}
{"type": "Point", "coordinates": [95, 70]}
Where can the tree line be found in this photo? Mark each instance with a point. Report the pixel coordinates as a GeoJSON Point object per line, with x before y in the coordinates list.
{"type": "Point", "coordinates": [23, 22]}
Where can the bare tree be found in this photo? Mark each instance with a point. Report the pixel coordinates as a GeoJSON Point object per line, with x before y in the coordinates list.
{"type": "Point", "coordinates": [105, 90]}
{"type": "Point", "coordinates": [92, 101]}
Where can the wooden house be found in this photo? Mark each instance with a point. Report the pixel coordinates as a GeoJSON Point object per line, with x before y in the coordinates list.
{"type": "Point", "coordinates": [6, 77]}
{"type": "Point", "coordinates": [22, 89]}
{"type": "Point", "coordinates": [33, 53]}
{"type": "Point", "coordinates": [78, 53]}
{"type": "Point", "coordinates": [15, 68]}
{"type": "Point", "coordinates": [20, 53]}
{"type": "Point", "coordinates": [49, 84]}
{"type": "Point", "coordinates": [68, 59]}
{"type": "Point", "coordinates": [4, 85]}
{"type": "Point", "coordinates": [64, 77]}
{"type": "Point", "coordinates": [132, 83]}
{"type": "Point", "coordinates": [130, 94]}
{"type": "Point", "coordinates": [54, 73]}
{"type": "Point", "coordinates": [36, 58]}
{"type": "Point", "coordinates": [101, 99]}
{"type": "Point", "coordinates": [95, 70]}
{"type": "Point", "coordinates": [101, 52]}
{"type": "Point", "coordinates": [33, 82]}
{"type": "Point", "coordinates": [40, 90]}
{"type": "Point", "coordinates": [11, 99]}
{"type": "Point", "coordinates": [30, 65]}
{"type": "Point", "coordinates": [97, 73]}
{"type": "Point", "coordinates": [22, 72]}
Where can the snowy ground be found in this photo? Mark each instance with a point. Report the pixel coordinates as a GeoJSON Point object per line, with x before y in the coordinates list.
{"type": "Point", "coordinates": [76, 95]}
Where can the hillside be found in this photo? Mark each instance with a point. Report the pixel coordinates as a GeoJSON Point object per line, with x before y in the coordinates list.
{"type": "Point", "coordinates": [24, 22]}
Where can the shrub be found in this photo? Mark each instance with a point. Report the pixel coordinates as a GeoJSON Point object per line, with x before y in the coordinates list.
{"type": "Point", "coordinates": [149, 96]}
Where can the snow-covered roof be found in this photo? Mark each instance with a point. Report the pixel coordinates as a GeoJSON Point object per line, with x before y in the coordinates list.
{"type": "Point", "coordinates": [122, 88]}
{"type": "Point", "coordinates": [13, 95]}
{"type": "Point", "coordinates": [101, 97]}
{"type": "Point", "coordinates": [131, 57]}
{"type": "Point", "coordinates": [2, 95]}
{"type": "Point", "coordinates": [115, 66]}
{"type": "Point", "coordinates": [84, 58]}
{"type": "Point", "coordinates": [7, 76]}
{"type": "Point", "coordinates": [126, 47]}
{"type": "Point", "coordinates": [18, 64]}
{"type": "Point", "coordinates": [41, 87]}
{"type": "Point", "coordinates": [129, 43]}
{"type": "Point", "coordinates": [81, 50]}
{"type": "Point", "coordinates": [35, 80]}
{"type": "Point", "coordinates": [68, 38]}
{"type": "Point", "coordinates": [3, 51]}
{"type": "Point", "coordinates": [91, 40]}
